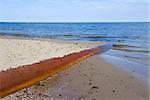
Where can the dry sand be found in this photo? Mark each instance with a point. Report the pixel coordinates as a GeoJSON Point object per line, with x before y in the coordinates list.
{"type": "Point", "coordinates": [16, 52]}
{"type": "Point", "coordinates": [92, 79]}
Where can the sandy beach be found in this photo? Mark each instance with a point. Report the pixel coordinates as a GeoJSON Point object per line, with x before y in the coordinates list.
{"type": "Point", "coordinates": [20, 51]}
{"type": "Point", "coordinates": [92, 79]}
{"type": "Point", "coordinates": [25, 62]}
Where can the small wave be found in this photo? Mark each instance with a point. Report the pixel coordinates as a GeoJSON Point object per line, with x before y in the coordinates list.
{"type": "Point", "coordinates": [18, 34]}
{"type": "Point", "coordinates": [100, 36]}
{"type": "Point", "coordinates": [1, 34]}
{"type": "Point", "coordinates": [130, 50]}
{"type": "Point", "coordinates": [135, 57]}
{"type": "Point", "coordinates": [92, 36]}
{"type": "Point", "coordinates": [97, 36]}
{"type": "Point", "coordinates": [14, 34]}
{"type": "Point", "coordinates": [70, 35]}
{"type": "Point", "coordinates": [83, 36]}
{"type": "Point", "coordinates": [123, 46]}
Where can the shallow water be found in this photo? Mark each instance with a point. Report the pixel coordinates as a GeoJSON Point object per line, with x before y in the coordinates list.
{"type": "Point", "coordinates": [135, 68]}
{"type": "Point", "coordinates": [127, 37]}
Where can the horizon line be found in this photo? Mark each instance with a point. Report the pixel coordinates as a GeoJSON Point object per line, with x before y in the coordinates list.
{"type": "Point", "coordinates": [73, 22]}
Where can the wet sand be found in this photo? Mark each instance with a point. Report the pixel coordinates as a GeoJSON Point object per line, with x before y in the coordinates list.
{"type": "Point", "coordinates": [92, 79]}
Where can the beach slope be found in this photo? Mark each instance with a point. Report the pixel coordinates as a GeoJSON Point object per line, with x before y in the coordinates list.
{"type": "Point", "coordinates": [25, 62]}
{"type": "Point", "coordinates": [92, 79]}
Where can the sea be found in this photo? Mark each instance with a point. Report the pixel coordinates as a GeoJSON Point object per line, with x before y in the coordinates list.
{"type": "Point", "coordinates": [130, 39]}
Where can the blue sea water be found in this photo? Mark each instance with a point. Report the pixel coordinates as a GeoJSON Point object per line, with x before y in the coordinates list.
{"type": "Point", "coordinates": [134, 34]}
{"type": "Point", "coordinates": [131, 35]}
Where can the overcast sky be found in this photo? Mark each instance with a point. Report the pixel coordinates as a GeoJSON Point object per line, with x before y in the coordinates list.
{"type": "Point", "coordinates": [74, 10]}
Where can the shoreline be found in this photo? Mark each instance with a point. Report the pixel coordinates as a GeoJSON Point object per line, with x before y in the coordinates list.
{"type": "Point", "coordinates": [87, 80]}
{"type": "Point", "coordinates": [96, 77]}
{"type": "Point", "coordinates": [137, 69]}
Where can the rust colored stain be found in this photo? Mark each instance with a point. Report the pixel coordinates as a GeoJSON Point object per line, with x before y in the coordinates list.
{"type": "Point", "coordinates": [15, 79]}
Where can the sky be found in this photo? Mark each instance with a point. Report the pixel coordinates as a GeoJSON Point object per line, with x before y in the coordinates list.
{"type": "Point", "coordinates": [74, 10]}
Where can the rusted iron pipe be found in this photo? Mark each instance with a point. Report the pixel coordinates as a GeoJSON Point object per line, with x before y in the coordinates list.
{"type": "Point", "coordinates": [23, 76]}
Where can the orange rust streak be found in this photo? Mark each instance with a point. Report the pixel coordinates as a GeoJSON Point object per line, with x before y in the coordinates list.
{"type": "Point", "coordinates": [11, 80]}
